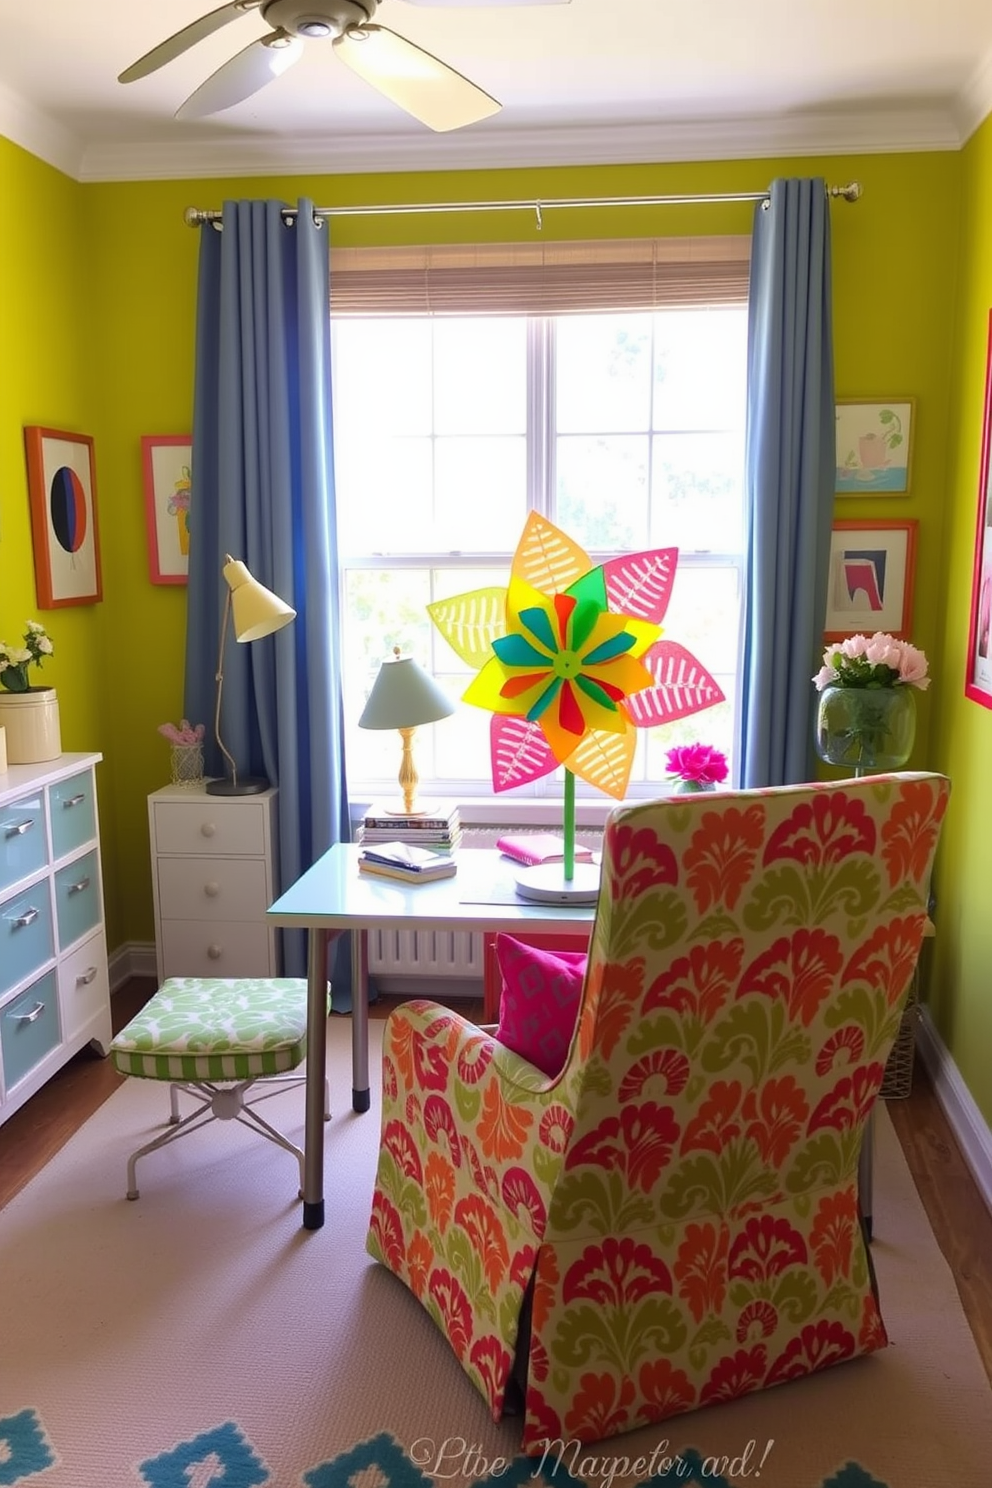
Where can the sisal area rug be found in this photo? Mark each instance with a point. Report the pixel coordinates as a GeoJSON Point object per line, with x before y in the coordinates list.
{"type": "Point", "coordinates": [199, 1338]}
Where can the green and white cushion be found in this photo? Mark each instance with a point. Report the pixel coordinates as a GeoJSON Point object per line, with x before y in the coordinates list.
{"type": "Point", "coordinates": [202, 1028]}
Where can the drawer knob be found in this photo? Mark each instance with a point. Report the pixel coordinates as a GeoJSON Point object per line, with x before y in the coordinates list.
{"type": "Point", "coordinates": [32, 1016]}
{"type": "Point", "coordinates": [17, 829]}
{"type": "Point", "coordinates": [73, 801]}
{"type": "Point", "coordinates": [208, 829]}
{"type": "Point", "coordinates": [89, 975]}
{"type": "Point", "coordinates": [77, 888]}
{"type": "Point", "coordinates": [27, 918]}
{"type": "Point", "coordinates": [215, 952]}
{"type": "Point", "coordinates": [211, 889]}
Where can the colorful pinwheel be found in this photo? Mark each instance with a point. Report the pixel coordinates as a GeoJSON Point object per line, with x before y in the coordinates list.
{"type": "Point", "coordinates": [570, 661]}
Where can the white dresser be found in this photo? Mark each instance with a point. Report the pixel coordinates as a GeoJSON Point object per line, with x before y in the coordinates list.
{"type": "Point", "coordinates": [54, 985]}
{"type": "Point", "coordinates": [212, 880]}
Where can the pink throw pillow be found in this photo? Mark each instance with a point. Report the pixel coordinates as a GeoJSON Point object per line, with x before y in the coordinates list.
{"type": "Point", "coordinates": [540, 1001]}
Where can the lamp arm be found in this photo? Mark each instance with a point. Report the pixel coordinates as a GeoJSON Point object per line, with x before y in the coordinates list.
{"type": "Point", "coordinates": [219, 679]}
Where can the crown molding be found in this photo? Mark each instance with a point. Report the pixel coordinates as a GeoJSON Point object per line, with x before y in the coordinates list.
{"type": "Point", "coordinates": [209, 154]}
{"type": "Point", "coordinates": [974, 103]}
{"type": "Point", "coordinates": [871, 132]}
{"type": "Point", "coordinates": [40, 135]}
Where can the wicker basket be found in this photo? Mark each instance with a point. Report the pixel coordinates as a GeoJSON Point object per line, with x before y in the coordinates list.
{"type": "Point", "coordinates": [187, 766]}
{"type": "Point", "coordinates": [897, 1082]}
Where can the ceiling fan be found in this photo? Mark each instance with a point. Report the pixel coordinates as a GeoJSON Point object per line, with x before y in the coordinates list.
{"type": "Point", "coordinates": [418, 82]}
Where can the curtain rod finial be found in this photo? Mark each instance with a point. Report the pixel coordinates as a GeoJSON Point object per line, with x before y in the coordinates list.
{"type": "Point", "coordinates": [192, 216]}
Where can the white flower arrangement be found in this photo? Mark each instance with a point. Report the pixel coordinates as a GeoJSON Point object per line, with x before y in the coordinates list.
{"type": "Point", "coordinates": [15, 660]}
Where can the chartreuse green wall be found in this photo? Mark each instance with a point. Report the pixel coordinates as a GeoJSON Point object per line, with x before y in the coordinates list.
{"type": "Point", "coordinates": [47, 377]}
{"type": "Point", "coordinates": [961, 984]}
{"type": "Point", "coordinates": [125, 294]}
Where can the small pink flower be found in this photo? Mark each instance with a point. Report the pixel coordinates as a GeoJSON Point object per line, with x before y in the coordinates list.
{"type": "Point", "coordinates": [913, 667]}
{"type": "Point", "coordinates": [698, 762]}
{"type": "Point", "coordinates": [883, 650]}
{"type": "Point", "coordinates": [184, 734]}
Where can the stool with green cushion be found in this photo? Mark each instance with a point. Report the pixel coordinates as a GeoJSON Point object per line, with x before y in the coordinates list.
{"type": "Point", "coordinates": [215, 1039]}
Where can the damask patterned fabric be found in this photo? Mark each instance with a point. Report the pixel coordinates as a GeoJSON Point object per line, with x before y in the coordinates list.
{"type": "Point", "coordinates": [679, 1206]}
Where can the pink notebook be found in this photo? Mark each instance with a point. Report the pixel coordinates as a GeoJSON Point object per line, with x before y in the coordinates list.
{"type": "Point", "coordinates": [539, 847]}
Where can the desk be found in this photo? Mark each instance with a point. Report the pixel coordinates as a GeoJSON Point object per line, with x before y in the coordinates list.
{"type": "Point", "coordinates": [333, 896]}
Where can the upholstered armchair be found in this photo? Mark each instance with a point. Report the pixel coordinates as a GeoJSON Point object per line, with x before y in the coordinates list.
{"type": "Point", "coordinates": [672, 1219]}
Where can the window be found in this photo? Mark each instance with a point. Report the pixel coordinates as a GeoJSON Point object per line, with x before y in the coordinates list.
{"type": "Point", "coordinates": [624, 426]}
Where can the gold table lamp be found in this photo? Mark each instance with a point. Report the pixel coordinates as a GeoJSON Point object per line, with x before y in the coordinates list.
{"type": "Point", "coordinates": [403, 697]}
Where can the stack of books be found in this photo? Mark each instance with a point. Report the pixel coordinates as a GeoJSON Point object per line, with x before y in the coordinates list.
{"type": "Point", "coordinates": [438, 828]}
{"type": "Point", "coordinates": [406, 861]}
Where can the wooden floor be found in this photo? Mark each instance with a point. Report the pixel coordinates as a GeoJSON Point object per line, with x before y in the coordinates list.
{"type": "Point", "coordinates": [960, 1219]}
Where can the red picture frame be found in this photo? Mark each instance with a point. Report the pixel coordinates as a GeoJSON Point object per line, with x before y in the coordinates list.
{"type": "Point", "coordinates": [978, 680]}
{"type": "Point", "coordinates": [872, 574]}
{"type": "Point", "coordinates": [165, 463]}
{"type": "Point", "coordinates": [64, 530]}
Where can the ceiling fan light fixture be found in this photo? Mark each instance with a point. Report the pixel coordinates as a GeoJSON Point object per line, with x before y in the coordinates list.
{"type": "Point", "coordinates": [315, 20]}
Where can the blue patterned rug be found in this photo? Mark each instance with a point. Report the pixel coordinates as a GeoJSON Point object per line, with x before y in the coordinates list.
{"type": "Point", "coordinates": [200, 1338]}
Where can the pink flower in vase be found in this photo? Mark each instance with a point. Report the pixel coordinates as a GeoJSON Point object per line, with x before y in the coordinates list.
{"type": "Point", "coordinates": [697, 767]}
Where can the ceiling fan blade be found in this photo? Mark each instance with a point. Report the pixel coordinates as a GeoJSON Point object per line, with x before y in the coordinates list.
{"type": "Point", "coordinates": [244, 75]}
{"type": "Point", "coordinates": [425, 87]}
{"type": "Point", "coordinates": [196, 31]}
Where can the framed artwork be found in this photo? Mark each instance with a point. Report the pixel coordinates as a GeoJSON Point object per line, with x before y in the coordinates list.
{"type": "Point", "coordinates": [64, 531]}
{"type": "Point", "coordinates": [870, 585]}
{"type": "Point", "coordinates": [978, 680]}
{"type": "Point", "coordinates": [874, 444]}
{"type": "Point", "coordinates": [168, 488]}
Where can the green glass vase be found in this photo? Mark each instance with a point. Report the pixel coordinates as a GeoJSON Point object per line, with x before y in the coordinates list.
{"type": "Point", "coordinates": [867, 730]}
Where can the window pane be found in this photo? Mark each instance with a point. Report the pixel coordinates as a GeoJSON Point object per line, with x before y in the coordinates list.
{"type": "Point", "coordinates": [700, 369]}
{"type": "Point", "coordinates": [696, 491]}
{"type": "Point", "coordinates": [481, 487]}
{"type": "Point", "coordinates": [480, 369]}
{"type": "Point", "coordinates": [385, 492]}
{"type": "Point", "coordinates": [603, 372]}
{"type": "Point", "coordinates": [603, 491]}
{"type": "Point", "coordinates": [385, 384]}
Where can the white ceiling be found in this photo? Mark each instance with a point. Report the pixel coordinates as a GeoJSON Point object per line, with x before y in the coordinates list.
{"type": "Point", "coordinates": [593, 81]}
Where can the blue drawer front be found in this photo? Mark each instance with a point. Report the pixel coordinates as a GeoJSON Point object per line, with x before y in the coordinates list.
{"type": "Point", "coordinates": [77, 898]}
{"type": "Point", "coordinates": [22, 839]}
{"type": "Point", "coordinates": [26, 940]}
{"type": "Point", "coordinates": [29, 1028]}
{"type": "Point", "coordinates": [73, 806]}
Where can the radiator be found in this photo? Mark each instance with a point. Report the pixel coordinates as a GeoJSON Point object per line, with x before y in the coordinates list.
{"type": "Point", "coordinates": [399, 959]}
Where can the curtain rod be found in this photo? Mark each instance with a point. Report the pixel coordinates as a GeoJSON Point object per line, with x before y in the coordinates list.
{"type": "Point", "coordinates": [196, 216]}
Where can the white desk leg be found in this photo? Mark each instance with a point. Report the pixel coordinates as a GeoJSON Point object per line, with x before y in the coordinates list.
{"type": "Point", "coordinates": [313, 1142]}
{"type": "Point", "coordinates": [361, 1097]}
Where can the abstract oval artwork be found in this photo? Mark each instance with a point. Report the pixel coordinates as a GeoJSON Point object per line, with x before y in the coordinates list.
{"type": "Point", "coordinates": [67, 506]}
{"type": "Point", "coordinates": [65, 527]}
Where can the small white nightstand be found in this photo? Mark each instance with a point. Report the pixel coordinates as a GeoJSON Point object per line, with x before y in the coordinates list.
{"type": "Point", "coordinates": [213, 877]}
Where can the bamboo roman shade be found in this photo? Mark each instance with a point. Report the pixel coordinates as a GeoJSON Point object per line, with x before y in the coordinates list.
{"type": "Point", "coordinates": [540, 278]}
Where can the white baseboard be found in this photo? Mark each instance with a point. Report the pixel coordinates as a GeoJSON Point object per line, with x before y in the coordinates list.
{"type": "Point", "coordinates": [966, 1121]}
{"type": "Point", "coordinates": [134, 958]}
